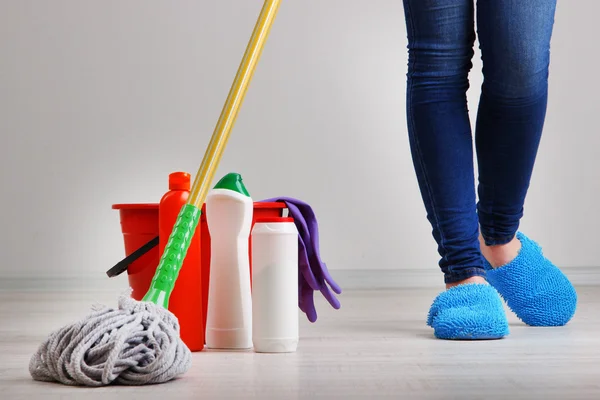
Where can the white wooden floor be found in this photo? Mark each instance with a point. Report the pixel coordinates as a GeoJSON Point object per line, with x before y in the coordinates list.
{"type": "Point", "coordinates": [376, 346]}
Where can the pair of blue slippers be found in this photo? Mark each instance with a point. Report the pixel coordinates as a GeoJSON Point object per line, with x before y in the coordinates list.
{"type": "Point", "coordinates": [532, 287]}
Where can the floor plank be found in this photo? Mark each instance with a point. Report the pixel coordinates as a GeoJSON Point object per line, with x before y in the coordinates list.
{"type": "Point", "coordinates": [376, 346]}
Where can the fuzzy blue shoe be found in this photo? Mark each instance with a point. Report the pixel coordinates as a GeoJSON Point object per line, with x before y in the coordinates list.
{"type": "Point", "coordinates": [534, 288]}
{"type": "Point", "coordinates": [471, 311]}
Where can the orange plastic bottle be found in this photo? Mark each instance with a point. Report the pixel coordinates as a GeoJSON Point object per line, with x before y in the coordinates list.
{"type": "Point", "coordinates": [186, 298]}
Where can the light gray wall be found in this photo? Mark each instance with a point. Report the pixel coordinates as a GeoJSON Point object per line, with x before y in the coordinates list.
{"type": "Point", "coordinates": [100, 101]}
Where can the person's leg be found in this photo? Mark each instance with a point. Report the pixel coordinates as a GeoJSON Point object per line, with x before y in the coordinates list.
{"type": "Point", "coordinates": [441, 36]}
{"type": "Point", "coordinates": [515, 45]}
{"type": "Point", "coordinates": [514, 39]}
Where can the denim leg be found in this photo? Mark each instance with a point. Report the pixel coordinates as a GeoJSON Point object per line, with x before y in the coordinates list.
{"type": "Point", "coordinates": [441, 36]}
{"type": "Point", "coordinates": [515, 44]}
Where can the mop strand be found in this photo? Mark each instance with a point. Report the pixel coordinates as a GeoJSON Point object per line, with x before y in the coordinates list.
{"type": "Point", "coordinates": [136, 344]}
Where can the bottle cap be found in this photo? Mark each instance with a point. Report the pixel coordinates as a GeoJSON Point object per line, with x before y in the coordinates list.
{"type": "Point", "coordinates": [179, 181]}
{"type": "Point", "coordinates": [232, 181]}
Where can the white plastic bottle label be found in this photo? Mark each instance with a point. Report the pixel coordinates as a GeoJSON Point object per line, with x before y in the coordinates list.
{"type": "Point", "coordinates": [275, 287]}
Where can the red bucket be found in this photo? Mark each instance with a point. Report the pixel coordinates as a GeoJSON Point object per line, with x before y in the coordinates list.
{"type": "Point", "coordinates": [139, 225]}
{"type": "Point", "coordinates": [261, 210]}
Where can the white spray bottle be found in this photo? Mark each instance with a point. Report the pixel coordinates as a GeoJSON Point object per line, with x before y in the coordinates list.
{"type": "Point", "coordinates": [229, 210]}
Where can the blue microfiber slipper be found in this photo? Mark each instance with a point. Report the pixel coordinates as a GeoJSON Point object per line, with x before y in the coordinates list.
{"type": "Point", "coordinates": [534, 288]}
{"type": "Point", "coordinates": [471, 311]}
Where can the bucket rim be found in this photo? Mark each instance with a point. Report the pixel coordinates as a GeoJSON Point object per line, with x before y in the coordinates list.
{"type": "Point", "coordinates": [135, 206]}
{"type": "Point", "coordinates": [269, 204]}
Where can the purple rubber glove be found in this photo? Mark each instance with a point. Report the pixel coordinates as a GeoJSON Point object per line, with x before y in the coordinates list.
{"type": "Point", "coordinates": [313, 274]}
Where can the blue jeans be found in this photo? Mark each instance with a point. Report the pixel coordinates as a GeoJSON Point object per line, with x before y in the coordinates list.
{"type": "Point", "coordinates": [514, 37]}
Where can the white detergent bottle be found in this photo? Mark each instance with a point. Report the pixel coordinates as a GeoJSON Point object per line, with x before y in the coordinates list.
{"type": "Point", "coordinates": [229, 210]}
{"type": "Point", "coordinates": [275, 285]}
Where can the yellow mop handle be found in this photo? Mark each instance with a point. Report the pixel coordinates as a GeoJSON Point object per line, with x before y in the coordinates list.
{"type": "Point", "coordinates": [175, 251]}
{"type": "Point", "coordinates": [235, 98]}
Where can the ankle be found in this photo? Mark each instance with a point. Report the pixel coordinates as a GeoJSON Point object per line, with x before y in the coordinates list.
{"type": "Point", "coordinates": [473, 279]}
{"type": "Point", "coordinates": [501, 254]}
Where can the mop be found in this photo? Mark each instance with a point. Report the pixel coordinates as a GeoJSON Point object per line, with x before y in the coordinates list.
{"type": "Point", "coordinates": [138, 342]}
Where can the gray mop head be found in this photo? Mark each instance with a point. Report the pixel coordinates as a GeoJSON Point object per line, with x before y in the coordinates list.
{"type": "Point", "coordinates": [136, 344]}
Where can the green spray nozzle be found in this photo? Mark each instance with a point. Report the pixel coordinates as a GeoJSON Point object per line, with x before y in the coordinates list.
{"type": "Point", "coordinates": [233, 181]}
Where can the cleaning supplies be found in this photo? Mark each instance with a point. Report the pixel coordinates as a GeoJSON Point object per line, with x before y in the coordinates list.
{"type": "Point", "coordinates": [275, 285]}
{"type": "Point", "coordinates": [139, 342]}
{"type": "Point", "coordinates": [186, 299]}
{"type": "Point", "coordinates": [314, 274]}
{"type": "Point", "coordinates": [261, 210]}
{"type": "Point", "coordinates": [139, 226]}
{"type": "Point", "coordinates": [141, 222]}
{"type": "Point", "coordinates": [229, 209]}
